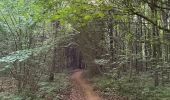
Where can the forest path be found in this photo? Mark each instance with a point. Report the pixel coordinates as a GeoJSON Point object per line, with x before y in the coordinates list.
{"type": "Point", "coordinates": [81, 89]}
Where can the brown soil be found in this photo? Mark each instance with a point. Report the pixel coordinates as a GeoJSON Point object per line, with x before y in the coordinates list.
{"type": "Point", "coordinates": [81, 89]}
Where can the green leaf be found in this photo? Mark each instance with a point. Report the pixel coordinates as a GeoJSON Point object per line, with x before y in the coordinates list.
{"type": "Point", "coordinates": [87, 17]}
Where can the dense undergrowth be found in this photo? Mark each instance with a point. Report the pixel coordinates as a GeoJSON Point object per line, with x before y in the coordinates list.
{"type": "Point", "coordinates": [138, 87]}
{"type": "Point", "coordinates": [46, 91]}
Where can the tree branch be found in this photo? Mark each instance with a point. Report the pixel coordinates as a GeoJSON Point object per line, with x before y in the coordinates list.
{"type": "Point", "coordinates": [157, 6]}
{"type": "Point", "coordinates": [151, 21]}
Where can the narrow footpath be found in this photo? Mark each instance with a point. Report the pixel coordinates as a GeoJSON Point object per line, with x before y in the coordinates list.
{"type": "Point", "coordinates": [81, 89]}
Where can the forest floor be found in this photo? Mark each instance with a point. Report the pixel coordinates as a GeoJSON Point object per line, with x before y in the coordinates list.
{"type": "Point", "coordinates": [81, 88]}
{"type": "Point", "coordinates": [74, 86]}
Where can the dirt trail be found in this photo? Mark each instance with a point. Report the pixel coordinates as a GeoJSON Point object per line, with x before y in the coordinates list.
{"type": "Point", "coordinates": [82, 90]}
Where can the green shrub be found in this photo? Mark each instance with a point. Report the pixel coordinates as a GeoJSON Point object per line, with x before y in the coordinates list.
{"type": "Point", "coordinates": [138, 87]}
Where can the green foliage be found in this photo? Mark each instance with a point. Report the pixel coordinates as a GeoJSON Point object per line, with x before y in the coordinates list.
{"type": "Point", "coordinates": [5, 96]}
{"type": "Point", "coordinates": [135, 88]}
{"type": "Point", "coordinates": [17, 56]}
{"type": "Point", "coordinates": [75, 12]}
{"type": "Point", "coordinates": [20, 56]}
{"type": "Point", "coordinates": [22, 23]}
{"type": "Point", "coordinates": [60, 84]}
